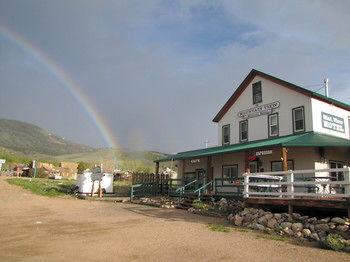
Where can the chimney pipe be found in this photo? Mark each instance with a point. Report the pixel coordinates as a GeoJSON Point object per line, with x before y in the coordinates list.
{"type": "Point", "coordinates": [326, 88]}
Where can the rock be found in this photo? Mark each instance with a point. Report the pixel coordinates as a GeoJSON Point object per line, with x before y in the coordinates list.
{"type": "Point", "coordinates": [257, 226]}
{"type": "Point", "coordinates": [296, 216]}
{"type": "Point", "coordinates": [338, 220]}
{"type": "Point", "coordinates": [303, 218]}
{"type": "Point", "coordinates": [230, 217]}
{"type": "Point", "coordinates": [288, 231]}
{"type": "Point", "coordinates": [278, 216]}
{"type": "Point", "coordinates": [321, 227]}
{"type": "Point", "coordinates": [238, 220]}
{"type": "Point", "coordinates": [312, 220]}
{"type": "Point", "coordinates": [268, 216]}
{"type": "Point", "coordinates": [272, 223]}
{"type": "Point", "coordinates": [342, 228]}
{"type": "Point", "coordinates": [286, 225]}
{"type": "Point", "coordinates": [298, 234]}
{"type": "Point", "coordinates": [331, 225]}
{"type": "Point", "coordinates": [297, 227]}
{"type": "Point", "coordinates": [325, 220]}
{"type": "Point", "coordinates": [315, 237]}
{"type": "Point", "coordinates": [262, 220]}
{"type": "Point", "coordinates": [306, 232]}
{"type": "Point", "coordinates": [191, 210]}
{"type": "Point", "coordinates": [312, 228]}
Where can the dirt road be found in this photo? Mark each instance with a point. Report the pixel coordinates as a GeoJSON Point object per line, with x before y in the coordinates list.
{"type": "Point", "coordinates": [35, 228]}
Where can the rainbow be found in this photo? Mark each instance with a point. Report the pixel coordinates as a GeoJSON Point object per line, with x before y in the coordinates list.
{"type": "Point", "coordinates": [70, 85]}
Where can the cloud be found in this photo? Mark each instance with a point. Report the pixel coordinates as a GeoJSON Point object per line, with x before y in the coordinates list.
{"type": "Point", "coordinates": [159, 71]}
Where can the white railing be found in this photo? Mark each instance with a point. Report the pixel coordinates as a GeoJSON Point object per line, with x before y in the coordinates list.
{"type": "Point", "coordinates": [290, 183]}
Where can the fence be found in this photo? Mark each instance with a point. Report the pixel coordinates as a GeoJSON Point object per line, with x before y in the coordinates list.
{"type": "Point", "coordinates": [319, 183]}
{"type": "Point", "coordinates": [150, 184]}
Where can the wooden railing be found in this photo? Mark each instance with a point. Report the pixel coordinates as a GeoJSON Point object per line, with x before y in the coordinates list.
{"type": "Point", "coordinates": [228, 186]}
{"type": "Point", "coordinates": [298, 183]}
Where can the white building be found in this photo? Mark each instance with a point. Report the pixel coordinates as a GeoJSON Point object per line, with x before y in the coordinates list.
{"type": "Point", "coordinates": [268, 120]}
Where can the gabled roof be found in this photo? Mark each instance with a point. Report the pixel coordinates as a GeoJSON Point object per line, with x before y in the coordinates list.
{"type": "Point", "coordinates": [278, 81]}
{"type": "Point", "coordinates": [308, 139]}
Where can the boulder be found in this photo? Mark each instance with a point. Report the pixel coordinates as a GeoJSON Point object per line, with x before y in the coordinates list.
{"type": "Point", "coordinates": [331, 225]}
{"type": "Point", "coordinates": [238, 220]}
{"type": "Point", "coordinates": [298, 234]}
{"type": "Point", "coordinates": [338, 220]}
{"type": "Point", "coordinates": [272, 223]}
{"type": "Point", "coordinates": [296, 216]}
{"type": "Point", "coordinates": [296, 227]}
{"type": "Point", "coordinates": [278, 216]}
{"type": "Point", "coordinates": [257, 226]}
{"type": "Point", "coordinates": [306, 232]}
{"type": "Point", "coordinates": [262, 221]}
{"type": "Point", "coordinates": [303, 218]}
{"type": "Point", "coordinates": [268, 216]}
{"type": "Point", "coordinates": [342, 228]}
{"type": "Point", "coordinates": [312, 220]}
{"type": "Point", "coordinates": [315, 237]}
{"type": "Point", "coordinates": [288, 231]}
{"type": "Point", "coordinates": [321, 227]}
{"type": "Point", "coordinates": [325, 220]}
{"type": "Point", "coordinates": [312, 228]}
{"type": "Point", "coordinates": [286, 225]}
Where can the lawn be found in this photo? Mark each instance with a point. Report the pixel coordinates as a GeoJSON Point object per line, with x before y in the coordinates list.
{"type": "Point", "coordinates": [45, 187]}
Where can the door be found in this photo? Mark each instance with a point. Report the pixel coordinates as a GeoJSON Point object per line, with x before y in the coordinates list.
{"type": "Point", "coordinates": [253, 167]}
{"type": "Point", "coordinates": [200, 176]}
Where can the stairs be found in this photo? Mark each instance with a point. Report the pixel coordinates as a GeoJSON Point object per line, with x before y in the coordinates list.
{"type": "Point", "coordinates": [187, 200]}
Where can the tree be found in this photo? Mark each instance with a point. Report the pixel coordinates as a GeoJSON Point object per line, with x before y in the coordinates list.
{"type": "Point", "coordinates": [82, 166]}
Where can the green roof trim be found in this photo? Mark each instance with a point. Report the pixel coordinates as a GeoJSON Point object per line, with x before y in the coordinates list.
{"type": "Point", "coordinates": [308, 139]}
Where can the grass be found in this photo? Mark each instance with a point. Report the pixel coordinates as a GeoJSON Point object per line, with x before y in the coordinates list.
{"type": "Point", "coordinates": [45, 187]}
{"type": "Point", "coordinates": [219, 228]}
{"type": "Point", "coordinates": [122, 188]}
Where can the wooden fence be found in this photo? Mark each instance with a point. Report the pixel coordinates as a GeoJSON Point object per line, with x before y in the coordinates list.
{"type": "Point", "coordinates": [151, 184]}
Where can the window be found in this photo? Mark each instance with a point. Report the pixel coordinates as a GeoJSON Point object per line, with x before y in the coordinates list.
{"type": "Point", "coordinates": [226, 135]}
{"type": "Point", "coordinates": [273, 125]}
{"type": "Point", "coordinates": [230, 172]}
{"type": "Point", "coordinates": [243, 130]}
{"type": "Point", "coordinates": [336, 176]}
{"type": "Point", "coordinates": [277, 165]}
{"type": "Point", "coordinates": [257, 94]}
{"type": "Point", "coordinates": [298, 119]}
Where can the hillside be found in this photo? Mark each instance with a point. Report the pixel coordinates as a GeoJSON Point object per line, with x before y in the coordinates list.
{"type": "Point", "coordinates": [30, 139]}
{"type": "Point", "coordinates": [22, 142]}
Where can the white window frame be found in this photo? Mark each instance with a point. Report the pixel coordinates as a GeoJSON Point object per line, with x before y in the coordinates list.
{"type": "Point", "coordinates": [240, 131]}
{"type": "Point", "coordinates": [223, 137]}
{"type": "Point", "coordinates": [230, 176]}
{"type": "Point", "coordinates": [294, 119]}
{"type": "Point", "coordinates": [270, 125]}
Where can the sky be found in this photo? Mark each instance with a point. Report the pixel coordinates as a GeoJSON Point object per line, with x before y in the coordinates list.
{"type": "Point", "coordinates": [157, 72]}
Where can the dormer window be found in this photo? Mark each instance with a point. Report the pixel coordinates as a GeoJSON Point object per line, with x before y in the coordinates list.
{"type": "Point", "coordinates": [257, 93]}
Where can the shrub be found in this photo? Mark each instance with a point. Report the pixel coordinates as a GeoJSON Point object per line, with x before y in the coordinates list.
{"type": "Point", "coordinates": [335, 242]}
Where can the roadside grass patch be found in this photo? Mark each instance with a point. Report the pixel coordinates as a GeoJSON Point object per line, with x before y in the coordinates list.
{"type": "Point", "coordinates": [122, 188]}
{"type": "Point", "coordinates": [218, 228]}
{"type": "Point", "coordinates": [45, 187]}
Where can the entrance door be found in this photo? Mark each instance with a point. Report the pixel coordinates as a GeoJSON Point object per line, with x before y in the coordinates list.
{"type": "Point", "coordinates": [253, 167]}
{"type": "Point", "coordinates": [200, 176]}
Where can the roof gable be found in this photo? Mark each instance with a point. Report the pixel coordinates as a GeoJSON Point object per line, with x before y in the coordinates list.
{"type": "Point", "coordinates": [278, 81]}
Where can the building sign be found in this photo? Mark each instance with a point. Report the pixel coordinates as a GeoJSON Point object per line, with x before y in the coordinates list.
{"type": "Point", "coordinates": [263, 152]}
{"type": "Point", "coordinates": [332, 122]}
{"type": "Point", "coordinates": [259, 110]}
{"type": "Point", "coordinates": [194, 161]}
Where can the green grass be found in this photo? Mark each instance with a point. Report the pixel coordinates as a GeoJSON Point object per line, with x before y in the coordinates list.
{"type": "Point", "coordinates": [219, 228]}
{"type": "Point", "coordinates": [45, 187]}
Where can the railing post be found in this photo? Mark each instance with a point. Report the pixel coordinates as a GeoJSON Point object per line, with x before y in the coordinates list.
{"type": "Point", "coordinates": [290, 186]}
{"type": "Point", "coordinates": [347, 182]}
{"type": "Point", "coordinates": [132, 193]}
{"type": "Point", "coordinates": [246, 184]}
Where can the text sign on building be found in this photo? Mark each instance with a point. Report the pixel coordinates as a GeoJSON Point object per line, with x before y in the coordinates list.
{"type": "Point", "coordinates": [332, 122]}
{"type": "Point", "coordinates": [194, 161]}
{"type": "Point", "coordinates": [259, 110]}
{"type": "Point", "coordinates": [263, 152]}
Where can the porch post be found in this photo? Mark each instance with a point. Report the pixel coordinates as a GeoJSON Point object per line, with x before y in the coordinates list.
{"type": "Point", "coordinates": [209, 175]}
{"type": "Point", "coordinates": [157, 168]}
{"type": "Point", "coordinates": [284, 159]}
{"type": "Point", "coordinates": [246, 162]}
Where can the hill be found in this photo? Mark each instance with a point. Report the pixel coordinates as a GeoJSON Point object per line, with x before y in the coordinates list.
{"type": "Point", "coordinates": [30, 139]}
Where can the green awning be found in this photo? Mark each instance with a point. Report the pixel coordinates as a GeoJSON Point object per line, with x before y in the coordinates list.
{"type": "Point", "coordinates": [309, 139]}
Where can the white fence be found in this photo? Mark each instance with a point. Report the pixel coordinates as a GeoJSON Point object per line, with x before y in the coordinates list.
{"type": "Point", "coordinates": [323, 183]}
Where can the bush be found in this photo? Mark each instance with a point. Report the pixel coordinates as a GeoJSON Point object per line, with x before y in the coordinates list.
{"type": "Point", "coordinates": [197, 204]}
{"type": "Point", "coordinates": [335, 242]}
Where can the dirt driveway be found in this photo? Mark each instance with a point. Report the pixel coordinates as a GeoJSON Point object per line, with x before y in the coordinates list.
{"type": "Point", "coordinates": [35, 228]}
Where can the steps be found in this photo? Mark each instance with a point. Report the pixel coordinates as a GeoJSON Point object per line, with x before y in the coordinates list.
{"type": "Point", "coordinates": [189, 198]}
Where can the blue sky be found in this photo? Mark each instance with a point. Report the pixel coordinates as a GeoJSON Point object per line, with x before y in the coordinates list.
{"type": "Point", "coordinates": [160, 70]}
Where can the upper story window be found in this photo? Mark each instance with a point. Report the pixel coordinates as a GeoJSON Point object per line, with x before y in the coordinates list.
{"type": "Point", "coordinates": [243, 131]}
{"type": "Point", "coordinates": [273, 125]}
{"type": "Point", "coordinates": [257, 93]}
{"type": "Point", "coordinates": [226, 135]}
{"type": "Point", "coordinates": [298, 119]}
